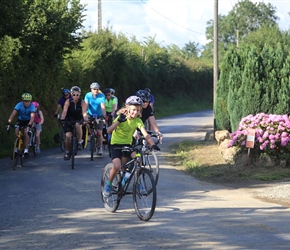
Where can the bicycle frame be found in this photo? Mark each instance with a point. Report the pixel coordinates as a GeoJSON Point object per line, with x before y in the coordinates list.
{"type": "Point", "coordinates": [19, 144]}
{"type": "Point", "coordinates": [73, 145]}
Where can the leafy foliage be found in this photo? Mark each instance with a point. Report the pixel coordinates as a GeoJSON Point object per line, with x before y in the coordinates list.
{"type": "Point", "coordinates": [251, 79]}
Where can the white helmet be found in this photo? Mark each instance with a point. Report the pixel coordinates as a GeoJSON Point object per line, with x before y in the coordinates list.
{"type": "Point", "coordinates": [134, 100]}
{"type": "Point", "coordinates": [95, 85]}
{"type": "Point", "coordinates": [75, 88]}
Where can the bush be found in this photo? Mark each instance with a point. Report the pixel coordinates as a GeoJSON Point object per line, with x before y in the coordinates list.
{"type": "Point", "coordinates": [272, 134]}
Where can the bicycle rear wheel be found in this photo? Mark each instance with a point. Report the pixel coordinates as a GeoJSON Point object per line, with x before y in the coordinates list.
{"type": "Point", "coordinates": [112, 202]}
{"type": "Point", "coordinates": [14, 155]}
{"type": "Point", "coordinates": [150, 161]}
{"type": "Point", "coordinates": [144, 194]}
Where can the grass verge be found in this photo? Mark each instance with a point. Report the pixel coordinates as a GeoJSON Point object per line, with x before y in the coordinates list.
{"type": "Point", "coordinates": [203, 160]}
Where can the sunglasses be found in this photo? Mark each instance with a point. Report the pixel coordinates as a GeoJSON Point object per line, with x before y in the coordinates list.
{"type": "Point", "coordinates": [76, 95]}
{"type": "Point", "coordinates": [95, 89]}
{"type": "Point", "coordinates": [108, 94]}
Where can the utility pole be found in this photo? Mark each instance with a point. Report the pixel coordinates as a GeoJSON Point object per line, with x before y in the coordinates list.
{"type": "Point", "coordinates": [215, 56]}
{"type": "Point", "coordinates": [99, 15]}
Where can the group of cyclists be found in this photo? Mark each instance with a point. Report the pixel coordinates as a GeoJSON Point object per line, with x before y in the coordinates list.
{"type": "Point", "coordinates": [75, 111]}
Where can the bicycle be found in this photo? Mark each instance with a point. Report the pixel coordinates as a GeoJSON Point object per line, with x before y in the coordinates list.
{"type": "Point", "coordinates": [19, 144]}
{"type": "Point", "coordinates": [61, 137]}
{"type": "Point", "coordinates": [32, 139]}
{"type": "Point", "coordinates": [94, 135]}
{"type": "Point", "coordinates": [144, 188]}
{"type": "Point", "coordinates": [74, 141]}
{"type": "Point", "coordinates": [149, 158]}
{"type": "Point", "coordinates": [106, 136]}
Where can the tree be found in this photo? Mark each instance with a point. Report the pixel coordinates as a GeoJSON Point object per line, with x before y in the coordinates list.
{"type": "Point", "coordinates": [192, 50]}
{"type": "Point", "coordinates": [11, 18]}
{"type": "Point", "coordinates": [245, 17]}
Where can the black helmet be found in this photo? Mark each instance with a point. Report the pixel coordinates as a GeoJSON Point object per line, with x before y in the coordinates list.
{"type": "Point", "coordinates": [144, 95]}
{"type": "Point", "coordinates": [107, 91]}
{"type": "Point", "coordinates": [147, 89]}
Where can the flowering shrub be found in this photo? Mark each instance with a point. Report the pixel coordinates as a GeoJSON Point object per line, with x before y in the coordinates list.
{"type": "Point", "coordinates": [272, 134]}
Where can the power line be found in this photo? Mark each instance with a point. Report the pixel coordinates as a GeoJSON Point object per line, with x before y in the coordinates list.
{"type": "Point", "coordinates": [171, 20]}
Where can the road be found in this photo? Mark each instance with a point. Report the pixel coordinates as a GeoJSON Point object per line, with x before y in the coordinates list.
{"type": "Point", "coordinates": [47, 205]}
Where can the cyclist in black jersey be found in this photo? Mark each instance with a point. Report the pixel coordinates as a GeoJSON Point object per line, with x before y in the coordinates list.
{"type": "Point", "coordinates": [147, 112]}
{"type": "Point", "coordinates": [74, 110]}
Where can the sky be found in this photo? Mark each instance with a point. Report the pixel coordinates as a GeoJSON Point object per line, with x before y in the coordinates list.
{"type": "Point", "coordinates": [167, 21]}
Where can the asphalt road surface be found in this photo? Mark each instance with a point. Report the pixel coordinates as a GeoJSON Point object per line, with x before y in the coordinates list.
{"type": "Point", "coordinates": [47, 205]}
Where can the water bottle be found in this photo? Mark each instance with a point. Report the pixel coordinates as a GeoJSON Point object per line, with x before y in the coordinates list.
{"type": "Point", "coordinates": [126, 177]}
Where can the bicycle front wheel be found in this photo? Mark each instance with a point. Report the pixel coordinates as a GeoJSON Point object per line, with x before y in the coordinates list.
{"type": "Point", "coordinates": [73, 151]}
{"type": "Point", "coordinates": [62, 140]}
{"type": "Point", "coordinates": [151, 162]}
{"type": "Point", "coordinates": [144, 194]}
{"type": "Point", "coordinates": [14, 155]}
{"type": "Point", "coordinates": [112, 202]}
{"type": "Point", "coordinates": [92, 146]}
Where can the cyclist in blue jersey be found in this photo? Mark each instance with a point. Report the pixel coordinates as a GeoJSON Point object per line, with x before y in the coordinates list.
{"type": "Point", "coordinates": [96, 107]}
{"type": "Point", "coordinates": [26, 112]}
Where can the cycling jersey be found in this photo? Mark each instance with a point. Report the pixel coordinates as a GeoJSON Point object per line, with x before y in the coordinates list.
{"type": "Point", "coordinates": [74, 111]}
{"type": "Point", "coordinates": [24, 112]}
{"type": "Point", "coordinates": [146, 113]}
{"type": "Point", "coordinates": [109, 104]}
{"type": "Point", "coordinates": [61, 101]}
{"type": "Point", "coordinates": [37, 118]}
{"type": "Point", "coordinates": [94, 103]}
{"type": "Point", "coordinates": [151, 99]}
{"type": "Point", "coordinates": [123, 134]}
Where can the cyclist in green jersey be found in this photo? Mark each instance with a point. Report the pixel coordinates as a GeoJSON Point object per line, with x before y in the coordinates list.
{"type": "Point", "coordinates": [111, 102]}
{"type": "Point", "coordinates": [122, 129]}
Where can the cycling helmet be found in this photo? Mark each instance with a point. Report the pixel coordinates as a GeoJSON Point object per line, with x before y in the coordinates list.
{"type": "Point", "coordinates": [65, 91]}
{"type": "Point", "coordinates": [134, 100]}
{"type": "Point", "coordinates": [144, 95]}
{"type": "Point", "coordinates": [26, 97]}
{"type": "Point", "coordinates": [147, 89]}
{"type": "Point", "coordinates": [36, 104]}
{"type": "Point", "coordinates": [95, 85]}
{"type": "Point", "coordinates": [112, 91]}
{"type": "Point", "coordinates": [75, 88]}
{"type": "Point", "coordinates": [107, 91]}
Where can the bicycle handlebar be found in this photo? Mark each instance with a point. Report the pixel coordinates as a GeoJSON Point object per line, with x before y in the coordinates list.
{"type": "Point", "coordinates": [15, 126]}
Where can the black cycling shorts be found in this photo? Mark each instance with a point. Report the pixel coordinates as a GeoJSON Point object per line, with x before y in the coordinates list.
{"type": "Point", "coordinates": [116, 151]}
{"type": "Point", "coordinates": [23, 123]}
